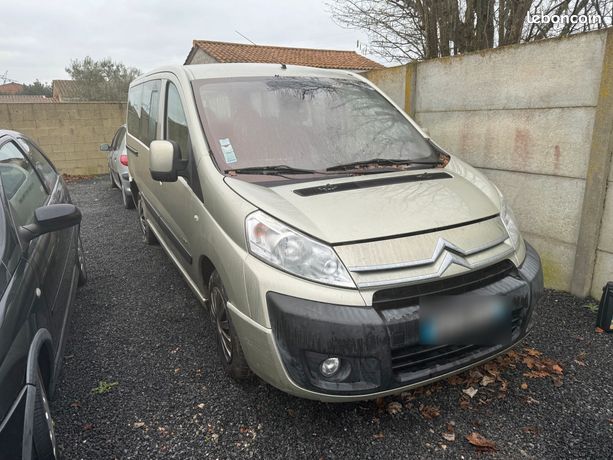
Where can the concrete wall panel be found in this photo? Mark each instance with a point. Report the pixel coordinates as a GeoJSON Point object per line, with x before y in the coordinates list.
{"type": "Point", "coordinates": [392, 81]}
{"type": "Point", "coordinates": [603, 272]}
{"type": "Point", "coordinates": [548, 141]}
{"type": "Point", "coordinates": [546, 206]}
{"type": "Point", "coordinates": [552, 73]}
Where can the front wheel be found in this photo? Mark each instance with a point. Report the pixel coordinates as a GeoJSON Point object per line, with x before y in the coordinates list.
{"type": "Point", "coordinates": [230, 350]}
{"type": "Point", "coordinates": [148, 236]}
{"type": "Point", "coordinates": [43, 434]}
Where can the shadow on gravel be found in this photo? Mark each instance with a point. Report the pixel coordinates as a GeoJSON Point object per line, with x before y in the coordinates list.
{"type": "Point", "coordinates": [141, 378]}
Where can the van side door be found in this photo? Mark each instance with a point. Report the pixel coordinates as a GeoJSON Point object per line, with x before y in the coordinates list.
{"type": "Point", "coordinates": [179, 200]}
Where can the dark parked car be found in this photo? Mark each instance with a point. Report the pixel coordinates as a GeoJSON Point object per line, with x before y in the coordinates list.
{"type": "Point", "coordinates": [41, 264]}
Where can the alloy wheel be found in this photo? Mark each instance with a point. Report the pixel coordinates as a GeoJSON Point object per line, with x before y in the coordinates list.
{"type": "Point", "coordinates": [219, 315]}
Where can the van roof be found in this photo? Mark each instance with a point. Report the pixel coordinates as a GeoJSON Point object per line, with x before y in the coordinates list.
{"type": "Point", "coordinates": [204, 71]}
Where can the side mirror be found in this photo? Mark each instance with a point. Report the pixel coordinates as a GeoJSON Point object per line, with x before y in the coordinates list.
{"type": "Point", "coordinates": [164, 160]}
{"type": "Point", "coordinates": [51, 218]}
{"type": "Point", "coordinates": [105, 147]}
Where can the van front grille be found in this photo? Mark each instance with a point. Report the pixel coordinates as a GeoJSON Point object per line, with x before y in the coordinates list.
{"type": "Point", "coordinates": [404, 296]}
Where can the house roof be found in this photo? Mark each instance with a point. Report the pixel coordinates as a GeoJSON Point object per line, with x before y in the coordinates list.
{"type": "Point", "coordinates": [11, 88]}
{"type": "Point", "coordinates": [237, 52]}
{"type": "Point", "coordinates": [66, 89]}
{"type": "Point", "coordinates": [23, 98]}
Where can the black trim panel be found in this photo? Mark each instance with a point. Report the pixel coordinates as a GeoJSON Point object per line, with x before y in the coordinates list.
{"type": "Point", "coordinates": [185, 254]}
{"type": "Point", "coordinates": [418, 232]}
{"type": "Point", "coordinates": [344, 186]}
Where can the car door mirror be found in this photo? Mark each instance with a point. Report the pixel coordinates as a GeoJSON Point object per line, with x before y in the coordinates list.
{"type": "Point", "coordinates": [164, 160]}
{"type": "Point", "coordinates": [51, 218]}
{"type": "Point", "coordinates": [105, 147]}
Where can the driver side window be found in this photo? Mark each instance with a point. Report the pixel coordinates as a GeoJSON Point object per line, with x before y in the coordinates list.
{"type": "Point", "coordinates": [176, 122]}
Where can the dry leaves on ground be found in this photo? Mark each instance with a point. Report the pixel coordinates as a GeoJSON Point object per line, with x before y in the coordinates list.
{"type": "Point", "coordinates": [481, 442]}
{"type": "Point", "coordinates": [394, 408]}
{"type": "Point", "coordinates": [429, 412]}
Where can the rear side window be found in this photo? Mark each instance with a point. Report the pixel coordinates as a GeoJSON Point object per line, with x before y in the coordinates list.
{"type": "Point", "coordinates": [22, 186]}
{"type": "Point", "coordinates": [135, 96]}
{"type": "Point", "coordinates": [44, 167]}
{"type": "Point", "coordinates": [176, 123]}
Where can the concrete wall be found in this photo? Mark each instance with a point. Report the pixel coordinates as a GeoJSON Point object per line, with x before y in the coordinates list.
{"type": "Point", "coordinates": [69, 133]}
{"type": "Point", "coordinates": [525, 116]}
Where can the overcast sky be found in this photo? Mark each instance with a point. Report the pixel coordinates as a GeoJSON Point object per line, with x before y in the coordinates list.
{"type": "Point", "coordinates": [39, 38]}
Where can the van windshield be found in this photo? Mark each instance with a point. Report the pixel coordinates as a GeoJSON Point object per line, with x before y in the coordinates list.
{"type": "Point", "coordinates": [303, 122]}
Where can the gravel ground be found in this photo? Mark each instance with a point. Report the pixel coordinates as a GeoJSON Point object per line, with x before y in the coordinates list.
{"type": "Point", "coordinates": [137, 327]}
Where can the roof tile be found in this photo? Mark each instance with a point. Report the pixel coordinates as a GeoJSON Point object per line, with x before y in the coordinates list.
{"type": "Point", "coordinates": [238, 52]}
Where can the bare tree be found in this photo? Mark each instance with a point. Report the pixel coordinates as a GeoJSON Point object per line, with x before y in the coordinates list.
{"type": "Point", "coordinates": [401, 30]}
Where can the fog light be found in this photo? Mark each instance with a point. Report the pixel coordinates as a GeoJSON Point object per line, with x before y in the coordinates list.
{"type": "Point", "coordinates": [330, 366]}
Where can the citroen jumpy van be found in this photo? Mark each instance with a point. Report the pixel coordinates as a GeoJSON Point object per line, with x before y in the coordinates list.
{"type": "Point", "coordinates": [341, 253]}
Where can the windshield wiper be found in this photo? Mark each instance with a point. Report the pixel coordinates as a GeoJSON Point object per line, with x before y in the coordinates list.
{"type": "Point", "coordinates": [272, 170]}
{"type": "Point", "coordinates": [381, 162]}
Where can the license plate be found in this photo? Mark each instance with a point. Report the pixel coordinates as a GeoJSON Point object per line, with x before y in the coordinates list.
{"type": "Point", "coordinates": [464, 320]}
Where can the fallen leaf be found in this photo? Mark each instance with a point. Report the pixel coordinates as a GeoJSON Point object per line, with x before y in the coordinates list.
{"type": "Point", "coordinates": [536, 374]}
{"type": "Point", "coordinates": [456, 380]}
{"type": "Point", "coordinates": [479, 441]}
{"type": "Point", "coordinates": [557, 368]}
{"type": "Point", "coordinates": [532, 352]}
{"type": "Point", "coordinates": [470, 391]}
{"type": "Point", "coordinates": [449, 436]}
{"type": "Point", "coordinates": [378, 436]}
{"type": "Point", "coordinates": [486, 380]}
{"type": "Point", "coordinates": [464, 403]}
{"type": "Point", "coordinates": [75, 404]}
{"type": "Point", "coordinates": [530, 429]}
{"type": "Point", "coordinates": [599, 330]}
{"type": "Point", "coordinates": [200, 406]}
{"type": "Point", "coordinates": [380, 402]}
{"type": "Point", "coordinates": [394, 408]}
{"type": "Point", "coordinates": [291, 412]}
{"type": "Point", "coordinates": [530, 400]}
{"type": "Point", "coordinates": [524, 386]}
{"type": "Point", "coordinates": [139, 424]}
{"type": "Point", "coordinates": [429, 412]}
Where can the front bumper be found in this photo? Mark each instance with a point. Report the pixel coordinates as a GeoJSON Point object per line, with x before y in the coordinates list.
{"type": "Point", "coordinates": [379, 345]}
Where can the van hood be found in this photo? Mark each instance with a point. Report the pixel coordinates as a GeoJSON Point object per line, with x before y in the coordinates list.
{"type": "Point", "coordinates": [352, 209]}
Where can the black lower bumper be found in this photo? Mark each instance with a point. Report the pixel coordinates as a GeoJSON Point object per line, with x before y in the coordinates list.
{"type": "Point", "coordinates": [379, 346]}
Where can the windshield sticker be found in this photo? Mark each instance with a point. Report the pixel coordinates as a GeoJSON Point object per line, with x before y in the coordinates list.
{"type": "Point", "coordinates": [228, 151]}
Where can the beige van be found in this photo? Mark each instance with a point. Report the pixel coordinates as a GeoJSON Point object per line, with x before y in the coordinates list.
{"type": "Point", "coordinates": [340, 252]}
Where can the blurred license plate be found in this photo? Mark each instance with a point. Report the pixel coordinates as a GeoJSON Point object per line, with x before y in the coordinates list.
{"type": "Point", "coordinates": [464, 320]}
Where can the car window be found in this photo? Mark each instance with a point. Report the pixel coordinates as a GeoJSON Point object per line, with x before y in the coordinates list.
{"type": "Point", "coordinates": [23, 188]}
{"type": "Point", "coordinates": [176, 122]}
{"type": "Point", "coordinates": [135, 96]}
{"type": "Point", "coordinates": [119, 135]}
{"type": "Point", "coordinates": [149, 111]}
{"type": "Point", "coordinates": [41, 163]}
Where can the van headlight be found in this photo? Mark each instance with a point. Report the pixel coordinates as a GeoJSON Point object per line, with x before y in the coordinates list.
{"type": "Point", "coordinates": [509, 221]}
{"type": "Point", "coordinates": [285, 248]}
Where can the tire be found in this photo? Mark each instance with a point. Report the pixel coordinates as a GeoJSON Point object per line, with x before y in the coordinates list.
{"type": "Point", "coordinates": [113, 184]}
{"type": "Point", "coordinates": [128, 202]}
{"type": "Point", "coordinates": [229, 347]}
{"type": "Point", "coordinates": [43, 435]}
{"type": "Point", "coordinates": [148, 235]}
{"type": "Point", "coordinates": [81, 262]}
